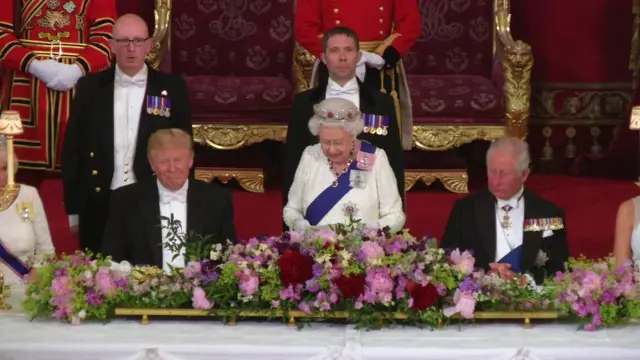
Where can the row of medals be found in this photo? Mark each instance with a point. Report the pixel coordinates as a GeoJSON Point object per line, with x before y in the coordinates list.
{"type": "Point", "coordinates": [373, 130]}
{"type": "Point", "coordinates": [156, 111]}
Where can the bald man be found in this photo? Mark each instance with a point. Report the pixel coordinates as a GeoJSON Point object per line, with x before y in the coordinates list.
{"type": "Point", "coordinates": [112, 117]}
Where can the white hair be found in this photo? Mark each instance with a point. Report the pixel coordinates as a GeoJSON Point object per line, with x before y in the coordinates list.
{"type": "Point", "coordinates": [354, 127]}
{"type": "Point", "coordinates": [4, 154]}
{"type": "Point", "coordinates": [515, 147]}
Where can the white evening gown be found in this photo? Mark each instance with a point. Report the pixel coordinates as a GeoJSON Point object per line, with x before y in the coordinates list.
{"type": "Point", "coordinates": [378, 203]}
{"type": "Point", "coordinates": [25, 233]}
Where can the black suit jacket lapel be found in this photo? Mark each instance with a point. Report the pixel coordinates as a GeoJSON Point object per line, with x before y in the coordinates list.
{"type": "Point", "coordinates": [367, 103]}
{"type": "Point", "coordinates": [195, 223]}
{"type": "Point", "coordinates": [486, 223]}
{"type": "Point", "coordinates": [150, 210]}
{"type": "Point", "coordinates": [106, 114]}
{"type": "Point", "coordinates": [530, 239]}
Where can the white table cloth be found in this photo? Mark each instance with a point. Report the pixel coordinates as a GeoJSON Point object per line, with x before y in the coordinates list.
{"type": "Point", "coordinates": [204, 339]}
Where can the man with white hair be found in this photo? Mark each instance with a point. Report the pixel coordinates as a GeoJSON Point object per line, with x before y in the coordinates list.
{"type": "Point", "coordinates": [507, 227]}
{"type": "Point", "coordinates": [342, 178]}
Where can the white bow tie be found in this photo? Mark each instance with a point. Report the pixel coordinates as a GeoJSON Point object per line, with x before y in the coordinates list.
{"type": "Point", "coordinates": [166, 197]}
{"type": "Point", "coordinates": [126, 82]}
{"type": "Point", "coordinates": [337, 91]}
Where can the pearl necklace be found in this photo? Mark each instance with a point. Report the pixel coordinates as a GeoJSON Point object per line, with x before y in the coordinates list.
{"type": "Point", "coordinates": [337, 174]}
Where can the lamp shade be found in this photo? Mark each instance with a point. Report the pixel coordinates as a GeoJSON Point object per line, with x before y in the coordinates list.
{"type": "Point", "coordinates": [10, 123]}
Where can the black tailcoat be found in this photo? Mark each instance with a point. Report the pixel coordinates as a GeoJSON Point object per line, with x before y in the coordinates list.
{"type": "Point", "coordinates": [472, 226]}
{"type": "Point", "coordinates": [134, 232]}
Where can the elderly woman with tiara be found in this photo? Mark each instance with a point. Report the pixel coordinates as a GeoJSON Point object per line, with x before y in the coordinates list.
{"type": "Point", "coordinates": [342, 177]}
{"type": "Point", "coordinates": [24, 231]}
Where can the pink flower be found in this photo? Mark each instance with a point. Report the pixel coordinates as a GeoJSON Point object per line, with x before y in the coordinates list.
{"type": "Point", "coordinates": [200, 301]}
{"type": "Point", "coordinates": [463, 262]}
{"type": "Point", "coordinates": [249, 284]}
{"type": "Point", "coordinates": [192, 269]}
{"type": "Point", "coordinates": [105, 282]}
{"type": "Point", "coordinates": [465, 305]}
{"type": "Point", "coordinates": [379, 286]}
{"type": "Point", "coordinates": [370, 251]}
{"type": "Point", "coordinates": [61, 286]}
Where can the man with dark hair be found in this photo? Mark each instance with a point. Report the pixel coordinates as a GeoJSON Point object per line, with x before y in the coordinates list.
{"type": "Point", "coordinates": [387, 30]}
{"type": "Point", "coordinates": [341, 56]}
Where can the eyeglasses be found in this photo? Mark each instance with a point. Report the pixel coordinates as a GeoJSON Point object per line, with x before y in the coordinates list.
{"type": "Point", "coordinates": [126, 42]}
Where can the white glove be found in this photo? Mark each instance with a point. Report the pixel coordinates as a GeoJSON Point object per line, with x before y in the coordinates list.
{"type": "Point", "coordinates": [368, 59]}
{"type": "Point", "coordinates": [66, 78]}
{"type": "Point", "coordinates": [301, 225]}
{"type": "Point", "coordinates": [372, 225]}
{"type": "Point", "coordinates": [44, 70]}
{"type": "Point", "coordinates": [372, 60]}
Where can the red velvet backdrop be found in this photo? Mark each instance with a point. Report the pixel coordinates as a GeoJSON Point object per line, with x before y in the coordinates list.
{"type": "Point", "coordinates": [581, 82]}
{"type": "Point", "coordinates": [143, 8]}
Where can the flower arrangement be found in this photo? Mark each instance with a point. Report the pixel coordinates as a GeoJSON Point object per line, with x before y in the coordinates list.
{"type": "Point", "coordinates": [369, 277]}
{"type": "Point", "coordinates": [598, 292]}
{"type": "Point", "coordinates": [75, 288]}
{"type": "Point", "coordinates": [369, 274]}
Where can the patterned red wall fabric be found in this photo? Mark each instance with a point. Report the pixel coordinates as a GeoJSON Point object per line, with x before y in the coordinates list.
{"type": "Point", "coordinates": [456, 38]}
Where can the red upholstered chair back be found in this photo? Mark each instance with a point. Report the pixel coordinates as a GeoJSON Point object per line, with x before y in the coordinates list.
{"type": "Point", "coordinates": [248, 38]}
{"type": "Point", "coordinates": [457, 38]}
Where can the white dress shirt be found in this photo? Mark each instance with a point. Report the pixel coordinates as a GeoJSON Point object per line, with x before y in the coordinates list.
{"type": "Point", "coordinates": [377, 202]}
{"type": "Point", "coordinates": [173, 203]}
{"type": "Point", "coordinates": [127, 107]}
{"type": "Point", "coordinates": [350, 91]}
{"type": "Point", "coordinates": [511, 237]}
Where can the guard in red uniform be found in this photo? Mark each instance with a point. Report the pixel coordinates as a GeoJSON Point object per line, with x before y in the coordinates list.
{"type": "Point", "coordinates": [45, 47]}
{"type": "Point", "coordinates": [386, 28]}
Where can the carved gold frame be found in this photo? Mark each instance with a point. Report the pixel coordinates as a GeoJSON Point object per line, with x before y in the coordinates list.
{"type": "Point", "coordinates": [161, 39]}
{"type": "Point", "coordinates": [249, 179]}
{"type": "Point", "coordinates": [456, 181]}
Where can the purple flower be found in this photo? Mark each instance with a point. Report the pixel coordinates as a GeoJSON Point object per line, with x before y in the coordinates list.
{"type": "Point", "coordinates": [192, 269]}
{"type": "Point", "coordinates": [608, 297]}
{"type": "Point", "coordinates": [93, 298]}
{"type": "Point", "coordinates": [312, 285]}
{"type": "Point", "coordinates": [468, 285]}
{"type": "Point", "coordinates": [317, 269]}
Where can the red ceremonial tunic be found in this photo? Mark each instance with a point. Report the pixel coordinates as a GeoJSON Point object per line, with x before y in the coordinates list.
{"type": "Point", "coordinates": [81, 29]}
{"type": "Point", "coordinates": [381, 22]}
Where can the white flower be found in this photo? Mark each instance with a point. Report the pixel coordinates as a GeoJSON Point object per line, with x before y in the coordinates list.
{"type": "Point", "coordinates": [214, 255]}
{"type": "Point", "coordinates": [82, 314]}
{"type": "Point", "coordinates": [124, 267]}
{"type": "Point", "coordinates": [541, 259]}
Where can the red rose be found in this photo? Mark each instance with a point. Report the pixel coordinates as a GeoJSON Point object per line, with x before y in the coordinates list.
{"type": "Point", "coordinates": [424, 297]}
{"type": "Point", "coordinates": [351, 287]}
{"type": "Point", "coordinates": [295, 268]}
